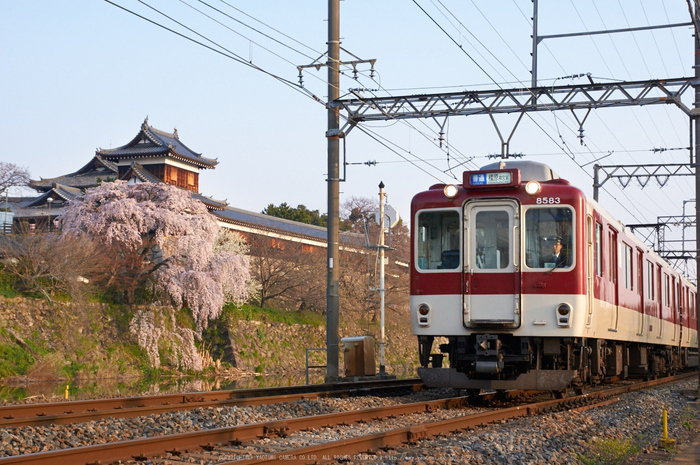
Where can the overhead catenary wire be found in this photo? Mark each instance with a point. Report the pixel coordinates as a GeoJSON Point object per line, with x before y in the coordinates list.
{"type": "Point", "coordinates": [231, 55]}
{"type": "Point", "coordinates": [260, 32]}
{"type": "Point", "coordinates": [480, 67]}
{"type": "Point", "coordinates": [565, 148]}
{"type": "Point", "coordinates": [627, 71]}
{"type": "Point", "coordinates": [223, 52]}
{"type": "Point", "coordinates": [201, 1]}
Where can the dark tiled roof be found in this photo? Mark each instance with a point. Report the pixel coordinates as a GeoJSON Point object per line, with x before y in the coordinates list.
{"type": "Point", "coordinates": [139, 172]}
{"type": "Point", "coordinates": [211, 204]}
{"type": "Point", "coordinates": [28, 207]}
{"type": "Point", "coordinates": [151, 142]}
{"type": "Point", "coordinates": [87, 176]}
{"type": "Point", "coordinates": [272, 223]}
{"type": "Point", "coordinates": [59, 195]}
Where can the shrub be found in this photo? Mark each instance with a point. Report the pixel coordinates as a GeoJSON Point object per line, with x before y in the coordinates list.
{"type": "Point", "coordinates": [611, 451]}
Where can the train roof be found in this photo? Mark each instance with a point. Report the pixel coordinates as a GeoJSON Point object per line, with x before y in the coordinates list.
{"type": "Point", "coordinates": [529, 170]}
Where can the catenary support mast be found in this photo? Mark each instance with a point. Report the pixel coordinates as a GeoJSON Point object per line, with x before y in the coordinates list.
{"type": "Point", "coordinates": [332, 135]}
{"type": "Point", "coordinates": [696, 148]}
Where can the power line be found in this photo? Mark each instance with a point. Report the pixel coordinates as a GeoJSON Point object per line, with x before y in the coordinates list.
{"type": "Point", "coordinates": [231, 55]}
{"type": "Point", "coordinates": [257, 30]}
{"type": "Point", "coordinates": [270, 27]}
{"type": "Point", "coordinates": [456, 43]}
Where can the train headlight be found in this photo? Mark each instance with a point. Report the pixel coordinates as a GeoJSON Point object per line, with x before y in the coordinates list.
{"type": "Point", "coordinates": [450, 191]}
{"type": "Point", "coordinates": [533, 187]}
{"type": "Point", "coordinates": [424, 315]}
{"type": "Point", "coordinates": [564, 315]}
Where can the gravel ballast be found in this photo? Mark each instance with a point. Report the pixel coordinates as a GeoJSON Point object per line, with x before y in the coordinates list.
{"type": "Point", "coordinates": [633, 424]}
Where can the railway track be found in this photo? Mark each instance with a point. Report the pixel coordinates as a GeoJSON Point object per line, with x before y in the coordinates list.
{"type": "Point", "coordinates": [62, 413]}
{"type": "Point", "coordinates": [333, 439]}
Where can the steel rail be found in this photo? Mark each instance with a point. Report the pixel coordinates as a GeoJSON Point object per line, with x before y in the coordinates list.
{"type": "Point", "coordinates": [84, 410]}
{"type": "Point", "coordinates": [146, 447]}
{"type": "Point", "coordinates": [349, 449]}
{"type": "Point", "coordinates": [159, 445]}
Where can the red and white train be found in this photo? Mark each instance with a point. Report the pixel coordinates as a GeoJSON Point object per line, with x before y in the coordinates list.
{"type": "Point", "coordinates": [513, 314]}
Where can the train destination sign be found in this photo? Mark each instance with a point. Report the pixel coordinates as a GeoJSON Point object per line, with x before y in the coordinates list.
{"type": "Point", "coordinates": [493, 179]}
{"type": "Point", "coordinates": [501, 177]}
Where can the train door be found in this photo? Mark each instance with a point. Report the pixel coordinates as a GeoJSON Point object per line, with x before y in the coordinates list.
{"type": "Point", "coordinates": [675, 308]}
{"type": "Point", "coordinates": [640, 290]}
{"type": "Point", "coordinates": [685, 310]}
{"type": "Point", "coordinates": [590, 269]}
{"type": "Point", "coordinates": [650, 306]}
{"type": "Point", "coordinates": [612, 259]}
{"type": "Point", "coordinates": [662, 299]}
{"type": "Point", "coordinates": [492, 271]}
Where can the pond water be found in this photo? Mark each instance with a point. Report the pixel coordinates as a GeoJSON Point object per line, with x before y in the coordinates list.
{"type": "Point", "coordinates": [91, 389]}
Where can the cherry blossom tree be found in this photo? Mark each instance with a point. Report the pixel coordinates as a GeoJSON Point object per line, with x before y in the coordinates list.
{"type": "Point", "coordinates": [161, 238]}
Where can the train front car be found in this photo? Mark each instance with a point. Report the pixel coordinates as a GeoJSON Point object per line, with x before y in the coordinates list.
{"type": "Point", "coordinates": [498, 269]}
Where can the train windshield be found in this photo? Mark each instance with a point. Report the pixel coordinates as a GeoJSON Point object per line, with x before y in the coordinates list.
{"type": "Point", "coordinates": [437, 244]}
{"type": "Point", "coordinates": [549, 237]}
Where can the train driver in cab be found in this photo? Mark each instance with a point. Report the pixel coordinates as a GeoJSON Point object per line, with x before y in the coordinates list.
{"type": "Point", "coordinates": [557, 259]}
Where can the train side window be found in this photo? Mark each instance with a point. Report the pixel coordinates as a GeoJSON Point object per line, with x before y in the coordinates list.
{"type": "Point", "coordinates": [640, 272]}
{"type": "Point", "coordinates": [599, 249]}
{"type": "Point", "coordinates": [650, 280]}
{"type": "Point", "coordinates": [438, 240]}
{"type": "Point", "coordinates": [627, 276]}
{"type": "Point", "coordinates": [549, 237]}
{"type": "Point", "coordinates": [691, 304]}
{"type": "Point", "coordinates": [612, 248]}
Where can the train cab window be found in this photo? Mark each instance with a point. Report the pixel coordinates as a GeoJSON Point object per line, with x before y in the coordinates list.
{"type": "Point", "coordinates": [549, 237]}
{"type": "Point", "coordinates": [438, 240]}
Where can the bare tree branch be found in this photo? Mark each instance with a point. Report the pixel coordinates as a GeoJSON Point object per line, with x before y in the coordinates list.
{"type": "Point", "coordinates": [12, 175]}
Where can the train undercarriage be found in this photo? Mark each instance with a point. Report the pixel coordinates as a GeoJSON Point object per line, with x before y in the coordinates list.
{"type": "Point", "coordinates": [504, 361]}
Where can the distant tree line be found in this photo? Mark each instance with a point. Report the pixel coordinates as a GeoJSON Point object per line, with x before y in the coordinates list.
{"type": "Point", "coordinates": [301, 214]}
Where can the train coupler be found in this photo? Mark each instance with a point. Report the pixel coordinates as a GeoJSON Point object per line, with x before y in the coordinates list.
{"type": "Point", "coordinates": [489, 358]}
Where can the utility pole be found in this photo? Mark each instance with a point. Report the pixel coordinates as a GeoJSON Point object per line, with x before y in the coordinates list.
{"type": "Point", "coordinates": [696, 151]}
{"type": "Point", "coordinates": [382, 222]}
{"type": "Point", "coordinates": [333, 135]}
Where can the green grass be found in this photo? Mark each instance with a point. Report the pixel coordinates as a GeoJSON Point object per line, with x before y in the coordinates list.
{"type": "Point", "coordinates": [610, 451]}
{"type": "Point", "coordinates": [14, 360]}
{"type": "Point", "coordinates": [273, 315]}
{"type": "Point", "coordinates": [7, 284]}
{"type": "Point", "coordinates": [38, 344]}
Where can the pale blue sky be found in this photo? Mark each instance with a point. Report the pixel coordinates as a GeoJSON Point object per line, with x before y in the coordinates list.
{"type": "Point", "coordinates": [82, 74]}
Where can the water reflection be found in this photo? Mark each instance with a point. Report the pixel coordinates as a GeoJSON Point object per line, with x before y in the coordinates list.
{"type": "Point", "coordinates": [91, 389]}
